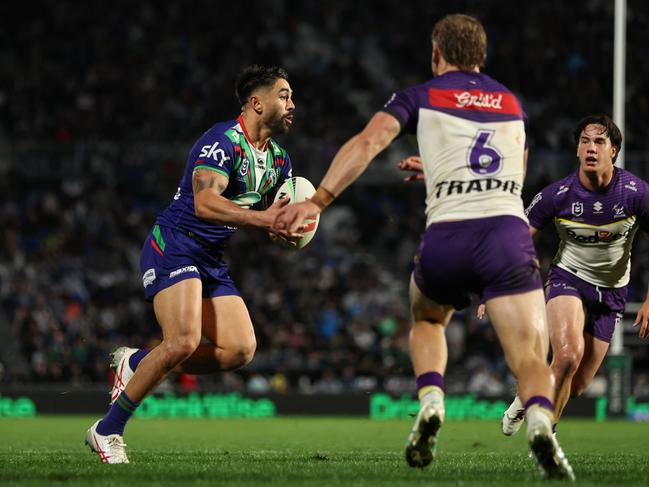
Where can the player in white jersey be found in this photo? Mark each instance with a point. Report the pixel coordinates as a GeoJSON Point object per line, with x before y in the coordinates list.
{"type": "Point", "coordinates": [471, 134]}
{"type": "Point", "coordinates": [596, 211]}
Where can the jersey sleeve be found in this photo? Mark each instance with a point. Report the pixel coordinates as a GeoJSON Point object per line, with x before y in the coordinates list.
{"type": "Point", "coordinates": [642, 212]}
{"type": "Point", "coordinates": [403, 106]}
{"type": "Point", "coordinates": [540, 211]}
{"type": "Point", "coordinates": [215, 154]}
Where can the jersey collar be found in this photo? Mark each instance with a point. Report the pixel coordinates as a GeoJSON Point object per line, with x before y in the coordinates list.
{"type": "Point", "coordinates": [245, 133]}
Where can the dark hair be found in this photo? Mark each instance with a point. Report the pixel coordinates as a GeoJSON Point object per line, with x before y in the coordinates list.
{"type": "Point", "coordinates": [610, 129]}
{"type": "Point", "coordinates": [255, 76]}
{"type": "Point", "coordinates": [462, 41]}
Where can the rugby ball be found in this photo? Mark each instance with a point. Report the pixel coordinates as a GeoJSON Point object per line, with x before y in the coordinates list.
{"type": "Point", "coordinates": [297, 189]}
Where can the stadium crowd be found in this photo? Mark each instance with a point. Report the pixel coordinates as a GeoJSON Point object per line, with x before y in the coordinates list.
{"type": "Point", "coordinates": [95, 123]}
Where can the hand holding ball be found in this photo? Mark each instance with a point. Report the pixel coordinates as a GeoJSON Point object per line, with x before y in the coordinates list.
{"type": "Point", "coordinates": [297, 189]}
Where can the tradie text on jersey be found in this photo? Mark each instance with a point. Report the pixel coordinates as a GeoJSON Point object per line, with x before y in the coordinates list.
{"type": "Point", "coordinates": [449, 188]}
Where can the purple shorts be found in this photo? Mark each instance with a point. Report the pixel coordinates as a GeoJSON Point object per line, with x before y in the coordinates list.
{"type": "Point", "coordinates": [490, 257]}
{"type": "Point", "coordinates": [170, 256]}
{"type": "Point", "coordinates": [604, 305]}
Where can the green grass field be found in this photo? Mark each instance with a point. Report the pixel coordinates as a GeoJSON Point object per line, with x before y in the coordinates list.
{"type": "Point", "coordinates": [313, 451]}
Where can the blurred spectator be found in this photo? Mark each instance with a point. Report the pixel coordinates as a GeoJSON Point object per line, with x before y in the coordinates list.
{"type": "Point", "coordinates": [641, 385]}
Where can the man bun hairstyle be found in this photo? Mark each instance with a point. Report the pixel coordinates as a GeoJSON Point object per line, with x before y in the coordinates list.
{"type": "Point", "coordinates": [253, 77]}
{"type": "Point", "coordinates": [462, 41]}
{"type": "Point", "coordinates": [610, 129]}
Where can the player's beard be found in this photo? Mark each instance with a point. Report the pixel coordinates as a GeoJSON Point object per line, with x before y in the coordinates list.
{"type": "Point", "coordinates": [278, 123]}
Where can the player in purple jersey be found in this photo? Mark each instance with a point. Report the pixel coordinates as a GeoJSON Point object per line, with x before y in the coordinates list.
{"type": "Point", "coordinates": [596, 211]}
{"type": "Point", "coordinates": [471, 135]}
{"type": "Point", "coordinates": [231, 167]}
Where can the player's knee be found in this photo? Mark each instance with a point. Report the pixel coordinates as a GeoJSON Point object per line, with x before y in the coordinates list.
{"type": "Point", "coordinates": [566, 361]}
{"type": "Point", "coordinates": [243, 353]}
{"type": "Point", "coordinates": [179, 348]}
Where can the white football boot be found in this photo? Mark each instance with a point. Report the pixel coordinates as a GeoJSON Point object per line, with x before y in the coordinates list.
{"type": "Point", "coordinates": [119, 362]}
{"type": "Point", "coordinates": [110, 448]}
{"type": "Point", "coordinates": [513, 418]}
{"type": "Point", "coordinates": [422, 441]}
{"type": "Point", "coordinates": [549, 456]}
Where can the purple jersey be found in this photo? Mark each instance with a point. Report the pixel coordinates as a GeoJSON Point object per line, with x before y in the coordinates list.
{"type": "Point", "coordinates": [471, 135]}
{"type": "Point", "coordinates": [226, 149]}
{"type": "Point", "coordinates": [596, 228]}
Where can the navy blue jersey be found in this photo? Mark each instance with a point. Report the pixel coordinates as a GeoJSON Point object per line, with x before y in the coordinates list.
{"type": "Point", "coordinates": [225, 148]}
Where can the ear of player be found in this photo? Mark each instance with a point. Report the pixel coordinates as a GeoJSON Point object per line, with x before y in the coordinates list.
{"type": "Point", "coordinates": [297, 189]}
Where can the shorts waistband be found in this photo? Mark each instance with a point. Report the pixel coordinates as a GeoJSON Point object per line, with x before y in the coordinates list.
{"type": "Point", "coordinates": [476, 222]}
{"type": "Point", "coordinates": [201, 240]}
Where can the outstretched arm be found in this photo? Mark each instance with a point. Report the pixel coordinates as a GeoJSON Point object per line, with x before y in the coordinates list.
{"type": "Point", "coordinates": [355, 155]}
{"type": "Point", "coordinates": [349, 163]}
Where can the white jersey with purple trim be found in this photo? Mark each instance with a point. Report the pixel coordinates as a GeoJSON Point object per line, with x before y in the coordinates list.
{"type": "Point", "coordinates": [471, 135]}
{"type": "Point", "coordinates": [596, 228]}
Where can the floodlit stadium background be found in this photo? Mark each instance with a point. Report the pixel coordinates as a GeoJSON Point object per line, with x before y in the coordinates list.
{"type": "Point", "coordinates": [99, 105]}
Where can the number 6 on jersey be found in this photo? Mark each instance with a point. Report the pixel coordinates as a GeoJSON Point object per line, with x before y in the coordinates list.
{"type": "Point", "coordinates": [484, 158]}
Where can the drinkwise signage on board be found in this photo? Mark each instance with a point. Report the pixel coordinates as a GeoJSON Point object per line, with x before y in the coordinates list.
{"type": "Point", "coordinates": [379, 406]}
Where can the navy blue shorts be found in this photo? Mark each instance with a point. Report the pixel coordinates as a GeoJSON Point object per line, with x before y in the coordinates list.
{"type": "Point", "coordinates": [604, 305]}
{"type": "Point", "coordinates": [170, 256]}
{"type": "Point", "coordinates": [489, 257]}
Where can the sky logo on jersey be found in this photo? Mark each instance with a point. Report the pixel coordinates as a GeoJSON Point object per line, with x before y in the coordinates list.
{"type": "Point", "coordinates": [504, 103]}
{"type": "Point", "coordinates": [213, 152]}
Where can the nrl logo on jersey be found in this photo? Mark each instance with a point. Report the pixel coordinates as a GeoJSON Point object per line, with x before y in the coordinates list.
{"type": "Point", "coordinates": [577, 208]}
{"type": "Point", "coordinates": [243, 170]}
{"type": "Point", "coordinates": [482, 100]}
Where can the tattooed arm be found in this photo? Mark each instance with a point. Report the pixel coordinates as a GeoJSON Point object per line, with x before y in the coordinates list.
{"type": "Point", "coordinates": [211, 206]}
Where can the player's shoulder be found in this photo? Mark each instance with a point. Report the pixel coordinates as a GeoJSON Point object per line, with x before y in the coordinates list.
{"type": "Point", "coordinates": [474, 95]}
{"type": "Point", "coordinates": [466, 80]}
{"type": "Point", "coordinates": [629, 182]}
{"type": "Point", "coordinates": [561, 188]}
{"type": "Point", "coordinates": [222, 133]}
